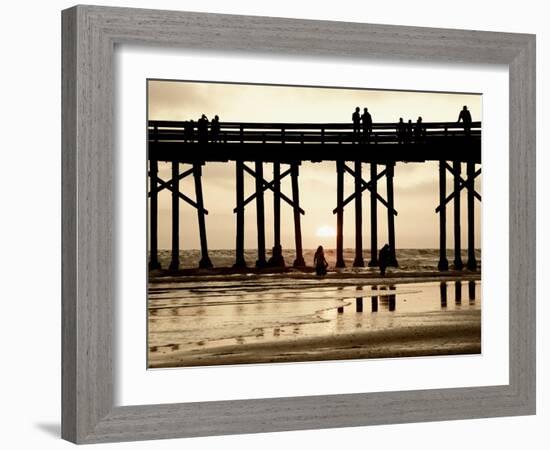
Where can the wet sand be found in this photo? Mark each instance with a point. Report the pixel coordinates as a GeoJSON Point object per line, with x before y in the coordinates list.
{"type": "Point", "coordinates": [253, 318]}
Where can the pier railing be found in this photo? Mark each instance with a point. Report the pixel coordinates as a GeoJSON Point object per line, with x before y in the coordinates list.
{"type": "Point", "coordinates": [308, 133]}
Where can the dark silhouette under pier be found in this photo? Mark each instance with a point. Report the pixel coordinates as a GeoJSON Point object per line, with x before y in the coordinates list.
{"type": "Point", "coordinates": [251, 146]}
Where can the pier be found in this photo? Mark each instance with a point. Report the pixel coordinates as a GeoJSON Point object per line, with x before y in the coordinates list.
{"type": "Point", "coordinates": [368, 159]}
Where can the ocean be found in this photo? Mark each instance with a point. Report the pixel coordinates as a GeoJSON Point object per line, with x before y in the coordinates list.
{"type": "Point", "coordinates": [410, 260]}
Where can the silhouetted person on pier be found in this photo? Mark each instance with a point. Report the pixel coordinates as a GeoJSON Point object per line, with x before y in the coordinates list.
{"type": "Point", "coordinates": [276, 259]}
{"type": "Point", "coordinates": [356, 118]}
{"type": "Point", "coordinates": [466, 118]}
{"type": "Point", "coordinates": [384, 259]}
{"type": "Point", "coordinates": [366, 119]}
{"type": "Point", "coordinates": [418, 130]}
{"type": "Point", "coordinates": [188, 131]}
{"type": "Point", "coordinates": [320, 262]}
{"type": "Point", "coordinates": [401, 130]}
{"type": "Point", "coordinates": [409, 131]}
{"type": "Point", "coordinates": [202, 127]}
{"type": "Point", "coordinates": [215, 129]}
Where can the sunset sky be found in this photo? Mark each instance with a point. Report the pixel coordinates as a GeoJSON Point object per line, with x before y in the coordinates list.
{"type": "Point", "coordinates": [415, 184]}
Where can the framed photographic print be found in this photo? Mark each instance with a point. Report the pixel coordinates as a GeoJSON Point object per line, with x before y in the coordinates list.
{"type": "Point", "coordinates": [277, 224]}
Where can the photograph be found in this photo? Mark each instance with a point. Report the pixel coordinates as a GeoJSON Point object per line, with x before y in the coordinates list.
{"type": "Point", "coordinates": [300, 223]}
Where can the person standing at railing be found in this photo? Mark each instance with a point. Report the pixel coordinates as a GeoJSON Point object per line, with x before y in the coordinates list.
{"type": "Point", "coordinates": [366, 118]}
{"type": "Point", "coordinates": [401, 131]}
{"type": "Point", "coordinates": [356, 118]}
{"type": "Point", "coordinates": [188, 131]}
{"type": "Point", "coordinates": [409, 131]}
{"type": "Point", "coordinates": [215, 129]}
{"type": "Point", "coordinates": [202, 127]}
{"type": "Point", "coordinates": [419, 130]}
{"type": "Point", "coordinates": [466, 118]}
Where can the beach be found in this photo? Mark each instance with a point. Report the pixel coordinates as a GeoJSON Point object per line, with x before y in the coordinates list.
{"type": "Point", "coordinates": [236, 318]}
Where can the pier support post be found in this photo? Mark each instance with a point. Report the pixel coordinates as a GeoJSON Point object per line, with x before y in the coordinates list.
{"type": "Point", "coordinates": [391, 218]}
{"type": "Point", "coordinates": [340, 214]}
{"type": "Point", "coordinates": [239, 189]}
{"type": "Point", "coordinates": [358, 261]}
{"type": "Point", "coordinates": [373, 216]}
{"type": "Point", "coordinates": [470, 169]}
{"type": "Point", "coordinates": [260, 214]}
{"type": "Point", "coordinates": [456, 215]}
{"type": "Point", "coordinates": [153, 215]}
{"type": "Point", "coordinates": [443, 263]}
{"type": "Point", "coordinates": [299, 261]}
{"type": "Point", "coordinates": [175, 263]}
{"type": "Point", "coordinates": [204, 262]}
{"type": "Point", "coordinates": [276, 204]}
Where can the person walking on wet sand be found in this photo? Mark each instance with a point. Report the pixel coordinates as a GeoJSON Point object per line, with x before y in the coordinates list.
{"type": "Point", "coordinates": [366, 119]}
{"type": "Point", "coordinates": [384, 259]}
{"type": "Point", "coordinates": [466, 118]}
{"type": "Point", "coordinates": [356, 118]}
{"type": "Point", "coordinates": [320, 262]}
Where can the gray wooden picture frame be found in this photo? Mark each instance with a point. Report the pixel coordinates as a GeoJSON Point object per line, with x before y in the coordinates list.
{"type": "Point", "coordinates": [90, 34]}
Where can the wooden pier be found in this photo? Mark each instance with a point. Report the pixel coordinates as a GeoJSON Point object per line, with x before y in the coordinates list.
{"type": "Point", "coordinates": [284, 146]}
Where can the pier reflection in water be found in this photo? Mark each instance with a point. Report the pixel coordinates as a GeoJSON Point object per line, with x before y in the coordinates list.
{"type": "Point", "coordinates": [386, 296]}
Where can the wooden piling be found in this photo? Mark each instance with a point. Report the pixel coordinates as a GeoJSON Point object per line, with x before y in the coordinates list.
{"type": "Point", "coordinates": [443, 263]}
{"type": "Point", "coordinates": [299, 261]}
{"type": "Point", "coordinates": [239, 189]}
{"type": "Point", "coordinates": [358, 261]}
{"type": "Point", "coordinates": [391, 217]}
{"type": "Point", "coordinates": [153, 215]}
{"type": "Point", "coordinates": [340, 214]}
{"type": "Point", "coordinates": [373, 216]}
{"type": "Point", "coordinates": [457, 263]}
{"type": "Point", "coordinates": [276, 204]}
{"type": "Point", "coordinates": [204, 262]}
{"type": "Point", "coordinates": [260, 213]}
{"type": "Point", "coordinates": [175, 262]}
{"type": "Point", "coordinates": [470, 173]}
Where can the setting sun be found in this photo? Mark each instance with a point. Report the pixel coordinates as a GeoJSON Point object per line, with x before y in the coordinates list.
{"type": "Point", "coordinates": [326, 231]}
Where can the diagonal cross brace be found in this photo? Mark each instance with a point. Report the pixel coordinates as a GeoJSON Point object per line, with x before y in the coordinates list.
{"type": "Point", "coordinates": [265, 186]}
{"type": "Point", "coordinates": [463, 184]}
{"type": "Point", "coordinates": [364, 187]}
{"type": "Point", "coordinates": [168, 185]}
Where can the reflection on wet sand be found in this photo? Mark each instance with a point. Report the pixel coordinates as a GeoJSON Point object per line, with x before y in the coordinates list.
{"type": "Point", "coordinates": [242, 322]}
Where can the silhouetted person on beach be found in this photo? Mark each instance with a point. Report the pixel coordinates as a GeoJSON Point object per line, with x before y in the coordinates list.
{"type": "Point", "coordinates": [384, 259]}
{"type": "Point", "coordinates": [276, 259]}
{"type": "Point", "coordinates": [366, 119]}
{"type": "Point", "coordinates": [215, 129]}
{"type": "Point", "coordinates": [320, 262]}
{"type": "Point", "coordinates": [466, 118]}
{"type": "Point", "coordinates": [202, 127]}
{"type": "Point", "coordinates": [356, 118]}
{"type": "Point", "coordinates": [418, 130]}
{"type": "Point", "coordinates": [188, 131]}
{"type": "Point", "coordinates": [401, 130]}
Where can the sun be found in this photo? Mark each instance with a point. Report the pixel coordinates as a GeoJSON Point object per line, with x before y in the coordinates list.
{"type": "Point", "coordinates": [325, 231]}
